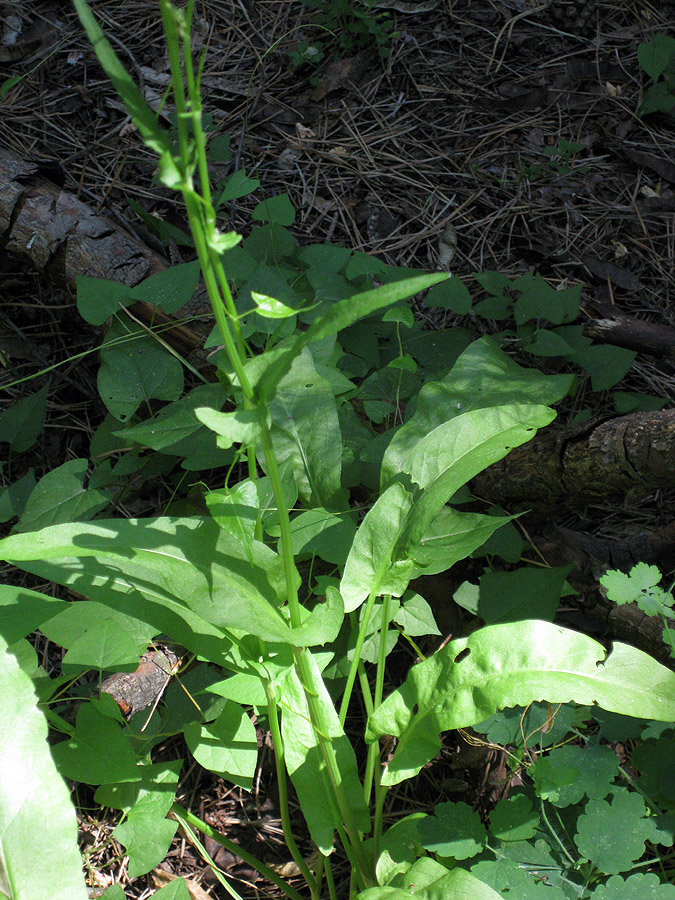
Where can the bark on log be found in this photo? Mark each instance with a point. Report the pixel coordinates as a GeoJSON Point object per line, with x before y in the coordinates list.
{"type": "Point", "coordinates": [64, 236]}
{"type": "Point", "coordinates": [633, 334]}
{"type": "Point", "coordinates": [576, 465]}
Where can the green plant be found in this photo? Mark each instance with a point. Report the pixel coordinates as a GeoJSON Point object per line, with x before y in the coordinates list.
{"type": "Point", "coordinates": [641, 586]}
{"type": "Point", "coordinates": [657, 58]}
{"type": "Point", "coordinates": [280, 593]}
{"type": "Point", "coordinates": [560, 161]}
{"type": "Point", "coordinates": [354, 24]}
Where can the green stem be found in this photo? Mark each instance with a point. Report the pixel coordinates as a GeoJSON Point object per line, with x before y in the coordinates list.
{"type": "Point", "coordinates": [330, 881]}
{"type": "Point", "coordinates": [183, 814]}
{"type": "Point", "coordinates": [356, 659]}
{"type": "Point", "coordinates": [202, 223]}
{"type": "Point", "coordinates": [372, 762]}
{"type": "Point", "coordinates": [278, 744]}
{"type": "Point", "coordinates": [201, 849]}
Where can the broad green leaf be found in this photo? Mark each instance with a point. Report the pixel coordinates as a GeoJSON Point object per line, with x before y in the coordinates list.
{"type": "Point", "coordinates": [175, 890]}
{"type": "Point", "coordinates": [514, 819]}
{"type": "Point", "coordinates": [323, 623]}
{"type": "Point", "coordinates": [605, 364]}
{"type": "Point", "coordinates": [98, 299]}
{"type": "Point", "coordinates": [339, 316]}
{"type": "Point", "coordinates": [454, 830]}
{"type": "Point", "coordinates": [427, 879]}
{"type": "Point", "coordinates": [236, 510]}
{"type": "Point", "coordinates": [237, 185]}
{"type": "Point", "coordinates": [641, 886]}
{"type": "Point", "coordinates": [451, 536]}
{"type": "Point", "coordinates": [451, 294]}
{"type": "Point", "coordinates": [372, 561]}
{"type": "Point", "coordinates": [115, 892]}
{"type": "Point", "coordinates": [602, 836]}
{"type": "Point", "coordinates": [270, 308]}
{"type": "Point", "coordinates": [567, 774]}
{"type": "Point", "coordinates": [60, 496]}
{"type": "Point", "coordinates": [156, 785]}
{"type": "Point", "coordinates": [277, 210]}
{"type": "Point", "coordinates": [518, 876]}
{"type": "Point", "coordinates": [32, 794]}
{"type": "Point", "coordinates": [13, 499]}
{"type": "Point", "coordinates": [399, 848]}
{"type": "Point", "coordinates": [457, 450]}
{"type": "Point", "coordinates": [658, 98]}
{"type": "Point", "coordinates": [415, 616]}
{"type": "Point", "coordinates": [324, 534]}
{"type": "Point", "coordinates": [305, 429]}
{"type": "Point", "coordinates": [146, 833]}
{"type": "Point", "coordinates": [143, 117]}
{"type": "Point", "coordinates": [136, 369]}
{"type": "Point", "coordinates": [97, 637]}
{"type": "Point", "coordinates": [513, 665]}
{"type": "Point", "coordinates": [169, 289]}
{"type": "Point", "coordinates": [23, 610]}
{"type": "Point", "coordinates": [541, 301]}
{"type": "Point", "coordinates": [239, 427]}
{"type": "Point", "coordinates": [97, 752]}
{"type": "Point", "coordinates": [186, 568]}
{"type": "Point", "coordinates": [483, 376]}
{"type": "Point", "coordinates": [305, 764]}
{"type": "Point", "coordinates": [657, 55]}
{"type": "Point", "coordinates": [175, 428]}
{"type": "Point", "coordinates": [22, 422]}
{"type": "Point", "coordinates": [227, 746]}
{"type": "Point", "coordinates": [147, 838]}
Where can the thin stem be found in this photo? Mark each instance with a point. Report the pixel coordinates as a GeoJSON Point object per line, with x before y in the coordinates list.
{"type": "Point", "coordinates": [358, 647]}
{"type": "Point", "coordinates": [330, 881]}
{"type": "Point", "coordinates": [183, 814]}
{"type": "Point", "coordinates": [278, 744]}
{"type": "Point", "coordinates": [372, 762]}
{"type": "Point", "coordinates": [194, 840]}
{"type": "Point", "coordinates": [380, 796]}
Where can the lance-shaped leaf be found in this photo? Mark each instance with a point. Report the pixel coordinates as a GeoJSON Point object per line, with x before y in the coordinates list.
{"type": "Point", "coordinates": [451, 536]}
{"type": "Point", "coordinates": [191, 560]}
{"type": "Point", "coordinates": [174, 569]}
{"type": "Point", "coordinates": [305, 764]}
{"type": "Point", "coordinates": [341, 315]}
{"type": "Point", "coordinates": [514, 665]}
{"type": "Point", "coordinates": [143, 117]}
{"type": "Point", "coordinates": [33, 800]}
{"type": "Point", "coordinates": [306, 430]}
{"type": "Point", "coordinates": [371, 565]}
{"type": "Point", "coordinates": [457, 450]}
{"type": "Point", "coordinates": [483, 376]}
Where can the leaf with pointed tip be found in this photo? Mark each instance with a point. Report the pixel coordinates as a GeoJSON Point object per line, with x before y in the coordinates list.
{"type": "Point", "coordinates": [514, 665]}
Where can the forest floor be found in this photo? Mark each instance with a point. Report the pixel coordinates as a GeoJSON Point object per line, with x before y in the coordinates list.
{"type": "Point", "coordinates": [504, 131]}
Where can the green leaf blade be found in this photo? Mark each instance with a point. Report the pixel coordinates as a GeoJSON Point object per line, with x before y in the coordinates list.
{"type": "Point", "coordinates": [513, 665]}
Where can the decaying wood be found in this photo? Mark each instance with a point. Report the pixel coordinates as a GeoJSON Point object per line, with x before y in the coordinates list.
{"type": "Point", "coordinates": [591, 557]}
{"type": "Point", "coordinates": [134, 691]}
{"type": "Point", "coordinates": [633, 334]}
{"type": "Point", "coordinates": [64, 237]}
{"type": "Point", "coordinates": [576, 465]}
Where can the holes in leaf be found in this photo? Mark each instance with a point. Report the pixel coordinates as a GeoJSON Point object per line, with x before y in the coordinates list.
{"type": "Point", "coordinates": [462, 654]}
{"type": "Point", "coordinates": [415, 709]}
